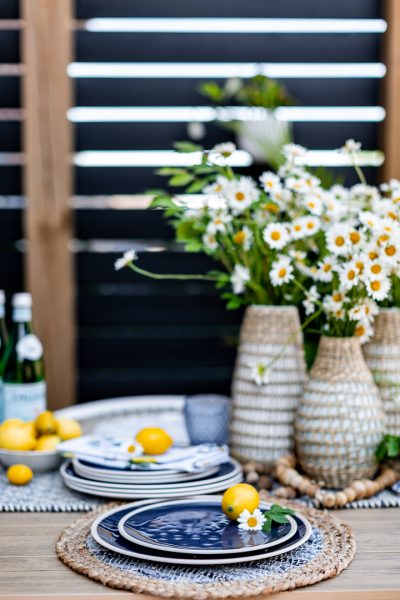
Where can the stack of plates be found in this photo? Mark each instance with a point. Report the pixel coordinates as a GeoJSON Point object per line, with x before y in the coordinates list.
{"type": "Point", "coordinates": [192, 531]}
{"type": "Point", "coordinates": [115, 482]}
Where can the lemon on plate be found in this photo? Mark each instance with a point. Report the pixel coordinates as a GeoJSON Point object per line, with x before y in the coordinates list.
{"type": "Point", "coordinates": [47, 442]}
{"type": "Point", "coordinates": [19, 474]}
{"type": "Point", "coordinates": [16, 436]}
{"type": "Point", "coordinates": [154, 440]}
{"type": "Point", "coordinates": [67, 429]}
{"type": "Point", "coordinates": [238, 498]}
{"type": "Point", "coordinates": [46, 423]}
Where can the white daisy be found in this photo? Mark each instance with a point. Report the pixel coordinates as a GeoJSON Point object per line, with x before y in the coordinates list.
{"type": "Point", "coordinates": [374, 268]}
{"type": "Point", "coordinates": [239, 278]}
{"type": "Point", "coordinates": [349, 275]}
{"type": "Point", "coordinates": [243, 238]}
{"type": "Point", "coordinates": [337, 239]}
{"type": "Point", "coordinates": [251, 521]}
{"type": "Point", "coordinates": [314, 204]}
{"type": "Point", "coordinates": [241, 193]}
{"type": "Point", "coordinates": [298, 229]}
{"type": "Point", "coordinates": [281, 271]}
{"type": "Point", "coordinates": [221, 151]}
{"type": "Point", "coordinates": [311, 297]}
{"type": "Point", "coordinates": [363, 331]}
{"type": "Point", "coordinates": [326, 268]}
{"type": "Point", "coordinates": [281, 196]}
{"type": "Point", "coordinates": [270, 181]}
{"type": "Point", "coordinates": [219, 222]}
{"type": "Point", "coordinates": [378, 288]}
{"type": "Point", "coordinates": [260, 374]}
{"type": "Point", "coordinates": [128, 257]}
{"type": "Point", "coordinates": [293, 151]}
{"type": "Point", "coordinates": [392, 186]}
{"type": "Point", "coordinates": [218, 186]}
{"type": "Point", "coordinates": [351, 146]}
{"type": "Point", "coordinates": [276, 235]}
{"type": "Point", "coordinates": [210, 240]}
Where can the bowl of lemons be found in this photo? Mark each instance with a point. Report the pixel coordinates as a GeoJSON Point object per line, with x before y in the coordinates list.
{"type": "Point", "coordinates": [34, 443]}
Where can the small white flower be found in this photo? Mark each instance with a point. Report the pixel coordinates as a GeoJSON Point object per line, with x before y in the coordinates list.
{"type": "Point", "coordinates": [196, 130]}
{"type": "Point", "coordinates": [348, 275]}
{"type": "Point", "coordinates": [135, 449]}
{"type": "Point", "coordinates": [297, 229]}
{"type": "Point", "coordinates": [337, 239]}
{"type": "Point", "coordinates": [128, 257]}
{"type": "Point", "coordinates": [311, 225]}
{"type": "Point", "coordinates": [218, 186]}
{"type": "Point", "coordinates": [311, 297]}
{"type": "Point", "coordinates": [239, 278]}
{"type": "Point", "coordinates": [374, 268]}
{"type": "Point", "coordinates": [251, 521]}
{"type": "Point", "coordinates": [392, 186]}
{"type": "Point", "coordinates": [363, 331]}
{"type": "Point", "coordinates": [293, 151]}
{"type": "Point", "coordinates": [219, 222]}
{"type": "Point", "coordinates": [281, 271]}
{"type": "Point", "coordinates": [270, 181]}
{"type": "Point", "coordinates": [326, 269]}
{"type": "Point", "coordinates": [351, 146]}
{"type": "Point", "coordinates": [210, 240]}
{"type": "Point", "coordinates": [224, 150]}
{"type": "Point", "coordinates": [378, 288]}
{"type": "Point", "coordinates": [314, 204]}
{"type": "Point", "coordinates": [260, 374]}
{"type": "Point", "coordinates": [241, 194]}
{"type": "Point", "coordinates": [243, 238]}
{"type": "Point", "coordinates": [276, 235]}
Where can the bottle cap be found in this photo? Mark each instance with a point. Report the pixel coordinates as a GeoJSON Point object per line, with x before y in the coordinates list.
{"type": "Point", "coordinates": [22, 300]}
{"type": "Point", "coordinates": [2, 297]}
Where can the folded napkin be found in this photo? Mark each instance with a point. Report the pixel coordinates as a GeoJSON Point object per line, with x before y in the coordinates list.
{"type": "Point", "coordinates": [113, 452]}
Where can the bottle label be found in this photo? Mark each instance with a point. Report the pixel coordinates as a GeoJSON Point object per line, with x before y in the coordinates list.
{"type": "Point", "coordinates": [29, 348]}
{"type": "Point", "coordinates": [24, 400]}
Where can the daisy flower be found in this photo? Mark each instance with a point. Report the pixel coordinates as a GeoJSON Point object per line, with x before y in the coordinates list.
{"type": "Point", "coordinates": [311, 225]}
{"type": "Point", "coordinates": [363, 331]}
{"type": "Point", "coordinates": [374, 268]}
{"type": "Point", "coordinates": [281, 196]}
{"type": "Point", "coordinates": [260, 374]}
{"type": "Point", "coordinates": [243, 238]}
{"type": "Point", "coordinates": [281, 271]}
{"type": "Point", "coordinates": [311, 297]}
{"type": "Point", "coordinates": [355, 238]}
{"type": "Point", "coordinates": [221, 151]}
{"type": "Point", "coordinates": [326, 269]}
{"type": "Point", "coordinates": [337, 239]}
{"type": "Point", "coordinates": [210, 241]}
{"type": "Point", "coordinates": [127, 258]}
{"type": "Point", "coordinates": [348, 275]}
{"type": "Point", "coordinates": [378, 288]}
{"type": "Point", "coordinates": [293, 151]}
{"type": "Point", "coordinates": [251, 521]}
{"type": "Point", "coordinates": [270, 181]}
{"type": "Point", "coordinates": [218, 186]}
{"type": "Point", "coordinates": [241, 194]}
{"type": "Point", "coordinates": [297, 229]}
{"type": "Point", "coordinates": [219, 222]}
{"type": "Point", "coordinates": [351, 146]}
{"type": "Point", "coordinates": [314, 204]}
{"type": "Point", "coordinates": [390, 253]}
{"type": "Point", "coordinates": [276, 235]}
{"type": "Point", "coordinates": [239, 278]}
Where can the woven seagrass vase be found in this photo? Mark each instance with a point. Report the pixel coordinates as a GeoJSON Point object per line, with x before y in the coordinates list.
{"type": "Point", "coordinates": [340, 420]}
{"type": "Point", "coordinates": [382, 355]}
{"type": "Point", "coordinates": [263, 413]}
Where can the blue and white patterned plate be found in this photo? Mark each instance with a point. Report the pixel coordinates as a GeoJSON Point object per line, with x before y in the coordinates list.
{"type": "Point", "coordinates": [105, 532]}
{"type": "Point", "coordinates": [196, 527]}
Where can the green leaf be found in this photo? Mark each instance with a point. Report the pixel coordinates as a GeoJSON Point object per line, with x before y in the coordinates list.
{"type": "Point", "coordinates": [187, 147]}
{"type": "Point", "coordinates": [279, 518]}
{"type": "Point", "coordinates": [196, 186]}
{"type": "Point", "coordinates": [193, 246]}
{"type": "Point", "coordinates": [393, 446]}
{"type": "Point", "coordinates": [268, 523]}
{"type": "Point", "coordinates": [212, 90]}
{"type": "Point", "coordinates": [161, 201]}
{"type": "Point", "coordinates": [170, 171]}
{"type": "Point", "coordinates": [186, 232]}
{"type": "Point", "coordinates": [181, 179]}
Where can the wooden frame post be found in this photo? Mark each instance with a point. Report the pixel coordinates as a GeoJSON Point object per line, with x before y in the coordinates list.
{"type": "Point", "coordinates": [391, 167]}
{"type": "Point", "coordinates": [46, 51]}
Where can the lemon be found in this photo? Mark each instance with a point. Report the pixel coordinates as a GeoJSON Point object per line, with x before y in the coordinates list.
{"type": "Point", "coordinates": [47, 442]}
{"type": "Point", "coordinates": [154, 440]}
{"type": "Point", "coordinates": [68, 428]}
{"type": "Point", "coordinates": [46, 423]}
{"type": "Point", "coordinates": [16, 437]}
{"type": "Point", "coordinates": [19, 474]}
{"type": "Point", "coordinates": [239, 497]}
{"type": "Point", "coordinates": [9, 422]}
{"type": "Point", "coordinates": [30, 426]}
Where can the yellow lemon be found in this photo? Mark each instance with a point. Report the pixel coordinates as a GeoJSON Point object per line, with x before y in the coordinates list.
{"type": "Point", "coordinates": [239, 497]}
{"type": "Point", "coordinates": [16, 437]}
{"type": "Point", "coordinates": [47, 442]}
{"type": "Point", "coordinates": [46, 423]}
{"type": "Point", "coordinates": [10, 422]}
{"type": "Point", "coordinates": [68, 428]}
{"type": "Point", "coordinates": [154, 440]}
{"type": "Point", "coordinates": [30, 426]}
{"type": "Point", "coordinates": [19, 474]}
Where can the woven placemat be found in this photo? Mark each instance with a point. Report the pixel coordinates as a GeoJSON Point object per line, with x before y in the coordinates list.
{"type": "Point", "coordinates": [329, 551]}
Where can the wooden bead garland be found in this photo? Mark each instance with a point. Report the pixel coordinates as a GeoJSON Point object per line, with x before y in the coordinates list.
{"type": "Point", "coordinates": [357, 490]}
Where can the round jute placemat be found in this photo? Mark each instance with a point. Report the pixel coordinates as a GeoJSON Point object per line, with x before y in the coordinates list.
{"type": "Point", "coordinates": [329, 551]}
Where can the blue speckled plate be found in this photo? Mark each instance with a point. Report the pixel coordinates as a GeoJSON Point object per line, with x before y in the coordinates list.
{"type": "Point", "coordinates": [194, 526]}
{"type": "Point", "coordinates": [105, 531]}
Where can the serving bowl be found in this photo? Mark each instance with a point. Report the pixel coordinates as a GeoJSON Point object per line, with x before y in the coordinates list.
{"type": "Point", "coordinates": [38, 461]}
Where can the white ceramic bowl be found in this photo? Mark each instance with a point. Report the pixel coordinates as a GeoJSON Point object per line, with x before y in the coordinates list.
{"type": "Point", "coordinates": [48, 460]}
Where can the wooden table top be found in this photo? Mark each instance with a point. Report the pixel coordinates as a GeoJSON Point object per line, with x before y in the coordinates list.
{"type": "Point", "coordinates": [29, 567]}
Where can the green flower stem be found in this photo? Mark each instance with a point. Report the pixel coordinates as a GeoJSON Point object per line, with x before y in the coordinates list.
{"type": "Point", "coordinates": [181, 277]}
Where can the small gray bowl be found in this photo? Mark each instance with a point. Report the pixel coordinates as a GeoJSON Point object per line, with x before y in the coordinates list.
{"type": "Point", "coordinates": [38, 461]}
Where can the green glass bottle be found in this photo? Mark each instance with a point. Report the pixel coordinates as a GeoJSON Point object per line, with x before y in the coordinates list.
{"type": "Point", "coordinates": [3, 344]}
{"type": "Point", "coordinates": [24, 386]}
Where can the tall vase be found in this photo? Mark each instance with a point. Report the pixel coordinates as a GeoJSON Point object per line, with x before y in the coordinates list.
{"type": "Point", "coordinates": [267, 384]}
{"type": "Point", "coordinates": [340, 418]}
{"type": "Point", "coordinates": [382, 355]}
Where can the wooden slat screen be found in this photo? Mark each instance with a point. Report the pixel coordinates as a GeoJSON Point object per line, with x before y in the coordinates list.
{"type": "Point", "coordinates": [140, 336]}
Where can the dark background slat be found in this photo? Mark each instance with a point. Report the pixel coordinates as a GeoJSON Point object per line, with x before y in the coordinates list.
{"type": "Point", "coordinates": [184, 92]}
{"type": "Point", "coordinates": [9, 9]}
{"type": "Point", "coordinates": [221, 47]}
{"type": "Point", "coordinates": [123, 224]}
{"type": "Point", "coordinates": [10, 225]}
{"type": "Point", "coordinates": [10, 180]}
{"type": "Point", "coordinates": [10, 138]}
{"type": "Point", "coordinates": [150, 136]}
{"type": "Point", "coordinates": [9, 46]}
{"type": "Point", "coordinates": [9, 92]}
{"type": "Point", "coordinates": [350, 9]}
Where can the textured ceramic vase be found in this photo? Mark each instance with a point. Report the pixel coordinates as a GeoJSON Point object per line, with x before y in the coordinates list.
{"type": "Point", "coordinates": [267, 384]}
{"type": "Point", "coordinates": [382, 355]}
{"type": "Point", "coordinates": [340, 420]}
